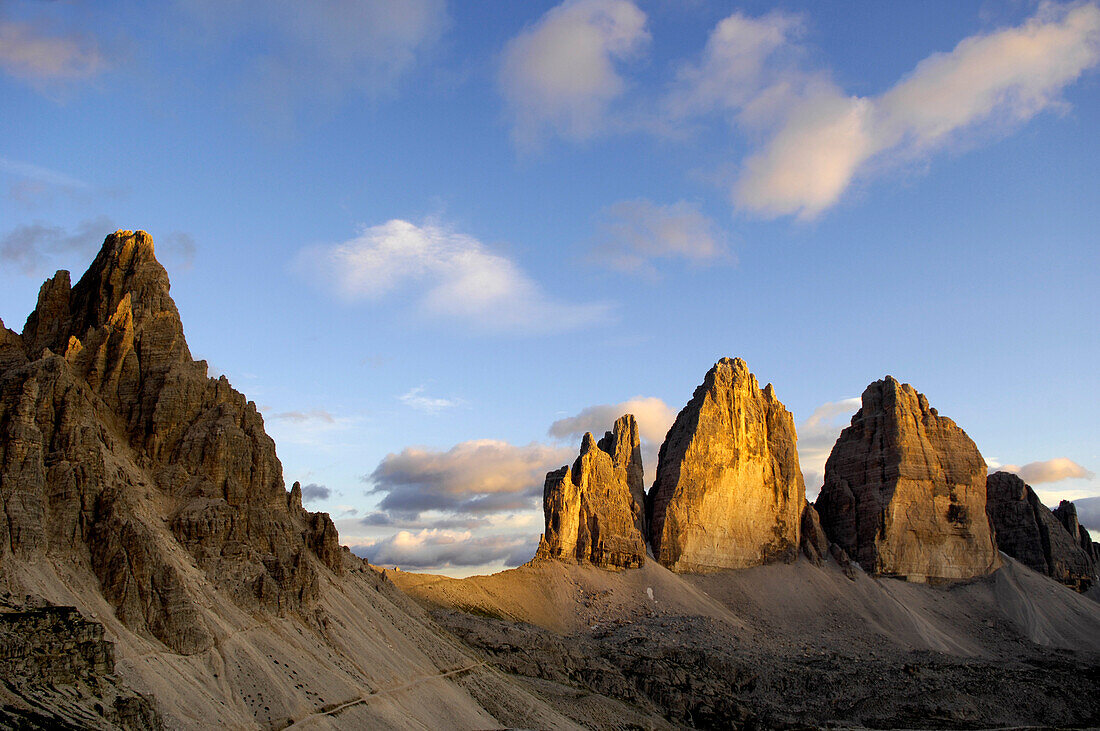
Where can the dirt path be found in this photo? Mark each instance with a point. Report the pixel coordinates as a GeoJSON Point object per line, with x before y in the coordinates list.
{"type": "Point", "coordinates": [306, 720]}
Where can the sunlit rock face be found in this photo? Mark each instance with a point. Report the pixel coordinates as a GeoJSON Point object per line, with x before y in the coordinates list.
{"type": "Point", "coordinates": [116, 449]}
{"type": "Point", "coordinates": [590, 509]}
{"type": "Point", "coordinates": [1033, 535]}
{"type": "Point", "coordinates": [904, 491]}
{"type": "Point", "coordinates": [729, 491]}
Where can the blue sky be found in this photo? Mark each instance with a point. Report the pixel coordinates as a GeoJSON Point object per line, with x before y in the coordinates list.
{"type": "Point", "coordinates": [435, 242]}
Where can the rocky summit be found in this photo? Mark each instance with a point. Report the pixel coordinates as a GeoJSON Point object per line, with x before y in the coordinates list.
{"type": "Point", "coordinates": [1033, 535]}
{"type": "Point", "coordinates": [729, 491]}
{"type": "Point", "coordinates": [591, 510]}
{"type": "Point", "coordinates": [904, 491]}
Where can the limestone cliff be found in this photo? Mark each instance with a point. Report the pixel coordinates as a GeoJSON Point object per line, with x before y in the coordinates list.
{"type": "Point", "coordinates": [109, 429]}
{"type": "Point", "coordinates": [729, 490]}
{"type": "Point", "coordinates": [1033, 535]}
{"type": "Point", "coordinates": [590, 509]}
{"type": "Point", "coordinates": [904, 491]}
{"type": "Point", "coordinates": [1066, 513]}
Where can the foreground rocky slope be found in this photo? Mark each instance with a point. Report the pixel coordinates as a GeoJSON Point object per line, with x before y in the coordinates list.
{"type": "Point", "coordinates": [149, 498]}
{"type": "Point", "coordinates": [791, 646]}
{"type": "Point", "coordinates": [729, 490]}
{"type": "Point", "coordinates": [590, 509]}
{"type": "Point", "coordinates": [904, 491]}
{"type": "Point", "coordinates": [1033, 535]}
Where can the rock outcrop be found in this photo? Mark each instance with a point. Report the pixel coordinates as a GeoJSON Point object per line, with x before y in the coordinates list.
{"type": "Point", "coordinates": [110, 430]}
{"type": "Point", "coordinates": [591, 510]}
{"type": "Point", "coordinates": [729, 491]}
{"type": "Point", "coordinates": [1066, 513]}
{"type": "Point", "coordinates": [904, 491]}
{"type": "Point", "coordinates": [814, 542]}
{"type": "Point", "coordinates": [57, 671]}
{"type": "Point", "coordinates": [1033, 535]}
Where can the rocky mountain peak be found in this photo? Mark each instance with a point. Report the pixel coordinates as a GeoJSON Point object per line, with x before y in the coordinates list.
{"type": "Point", "coordinates": [729, 491]}
{"type": "Point", "coordinates": [904, 490]}
{"type": "Point", "coordinates": [103, 414]}
{"type": "Point", "coordinates": [591, 511]}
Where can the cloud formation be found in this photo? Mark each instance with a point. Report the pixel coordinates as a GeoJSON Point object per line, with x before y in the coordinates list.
{"type": "Point", "coordinates": [653, 415]}
{"type": "Point", "coordinates": [451, 276]}
{"type": "Point", "coordinates": [477, 477]}
{"type": "Point", "coordinates": [821, 139]}
{"type": "Point", "coordinates": [33, 247]}
{"type": "Point", "coordinates": [1051, 470]}
{"type": "Point", "coordinates": [30, 53]}
{"type": "Point", "coordinates": [559, 75]}
{"type": "Point", "coordinates": [301, 417]}
{"type": "Point", "coordinates": [438, 548]}
{"type": "Point", "coordinates": [313, 492]}
{"type": "Point", "coordinates": [634, 233]}
{"type": "Point", "coordinates": [816, 437]}
{"type": "Point", "coordinates": [317, 51]}
{"type": "Point", "coordinates": [415, 398]}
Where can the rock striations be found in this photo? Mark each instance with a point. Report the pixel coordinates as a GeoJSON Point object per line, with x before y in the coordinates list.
{"type": "Point", "coordinates": [1066, 512]}
{"type": "Point", "coordinates": [729, 491]}
{"type": "Point", "coordinates": [109, 428]}
{"type": "Point", "coordinates": [591, 510]}
{"type": "Point", "coordinates": [1033, 535]}
{"type": "Point", "coordinates": [904, 491]}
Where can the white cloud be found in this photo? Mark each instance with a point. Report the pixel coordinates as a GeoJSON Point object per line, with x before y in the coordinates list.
{"type": "Point", "coordinates": [452, 276]}
{"type": "Point", "coordinates": [745, 60]}
{"type": "Point", "coordinates": [301, 417]}
{"type": "Point", "coordinates": [817, 436]}
{"type": "Point", "coordinates": [825, 139]}
{"type": "Point", "coordinates": [314, 428]}
{"type": "Point", "coordinates": [1051, 470]}
{"type": "Point", "coordinates": [437, 548]}
{"type": "Point", "coordinates": [476, 477]}
{"type": "Point", "coordinates": [635, 232]}
{"type": "Point", "coordinates": [414, 398]}
{"type": "Point", "coordinates": [31, 54]}
{"type": "Point", "coordinates": [559, 74]}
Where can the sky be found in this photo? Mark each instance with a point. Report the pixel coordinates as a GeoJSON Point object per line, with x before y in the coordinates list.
{"type": "Point", "coordinates": [436, 242]}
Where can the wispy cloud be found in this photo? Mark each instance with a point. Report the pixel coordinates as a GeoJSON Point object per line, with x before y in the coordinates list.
{"type": "Point", "coordinates": [34, 247]}
{"type": "Point", "coordinates": [477, 477]}
{"type": "Point", "coordinates": [451, 276]}
{"type": "Point", "coordinates": [34, 54]}
{"type": "Point", "coordinates": [415, 398]}
{"type": "Point", "coordinates": [302, 417]}
{"type": "Point", "coordinates": [320, 51]}
{"type": "Point", "coordinates": [1051, 470]}
{"type": "Point", "coordinates": [820, 140]}
{"type": "Point", "coordinates": [635, 233]}
{"type": "Point", "coordinates": [559, 75]}
{"type": "Point", "coordinates": [818, 434]}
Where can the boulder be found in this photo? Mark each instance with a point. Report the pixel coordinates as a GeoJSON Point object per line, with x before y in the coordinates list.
{"type": "Point", "coordinates": [814, 542]}
{"type": "Point", "coordinates": [590, 509]}
{"type": "Point", "coordinates": [1033, 535]}
{"type": "Point", "coordinates": [729, 491]}
{"type": "Point", "coordinates": [904, 491]}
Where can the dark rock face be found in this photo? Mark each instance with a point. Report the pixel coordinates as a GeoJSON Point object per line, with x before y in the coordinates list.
{"type": "Point", "coordinates": [729, 491]}
{"type": "Point", "coordinates": [1066, 513]}
{"type": "Point", "coordinates": [1033, 535]}
{"type": "Point", "coordinates": [108, 428]}
{"type": "Point", "coordinates": [904, 491]}
{"type": "Point", "coordinates": [590, 510]}
{"type": "Point", "coordinates": [814, 542]}
{"type": "Point", "coordinates": [58, 672]}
